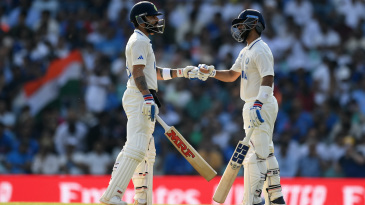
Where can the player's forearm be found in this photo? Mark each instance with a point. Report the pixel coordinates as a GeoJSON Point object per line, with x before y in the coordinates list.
{"type": "Point", "coordinates": [168, 73]}
{"type": "Point", "coordinates": [265, 90]}
{"type": "Point", "coordinates": [267, 80]}
{"type": "Point", "coordinates": [174, 73]}
{"type": "Point", "coordinates": [140, 81]}
{"type": "Point", "coordinates": [159, 73]}
{"type": "Point", "coordinates": [226, 75]}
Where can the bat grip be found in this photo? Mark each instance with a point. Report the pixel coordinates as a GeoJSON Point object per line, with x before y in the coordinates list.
{"type": "Point", "coordinates": [162, 123]}
{"type": "Point", "coordinates": [246, 140]}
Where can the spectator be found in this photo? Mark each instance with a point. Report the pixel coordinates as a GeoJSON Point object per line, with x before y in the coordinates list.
{"type": "Point", "coordinates": [46, 161]}
{"type": "Point", "coordinates": [71, 131]}
{"type": "Point", "coordinates": [21, 30]}
{"type": "Point", "coordinates": [353, 162]}
{"type": "Point", "coordinates": [310, 164]}
{"type": "Point", "coordinates": [98, 160]}
{"type": "Point", "coordinates": [6, 117]}
{"type": "Point", "coordinates": [31, 15]}
{"type": "Point", "coordinates": [18, 161]}
{"type": "Point", "coordinates": [287, 156]}
{"type": "Point", "coordinates": [50, 24]}
{"type": "Point", "coordinates": [8, 141]}
{"type": "Point", "coordinates": [220, 137]}
{"type": "Point", "coordinates": [49, 5]}
{"type": "Point", "coordinates": [359, 95]}
{"type": "Point", "coordinates": [25, 134]}
{"type": "Point", "coordinates": [301, 10]}
{"type": "Point", "coordinates": [211, 154]}
{"type": "Point", "coordinates": [101, 132]}
{"type": "Point", "coordinates": [98, 85]}
{"type": "Point", "coordinates": [73, 162]}
{"type": "Point", "coordinates": [198, 104]}
{"type": "Point", "coordinates": [175, 164]}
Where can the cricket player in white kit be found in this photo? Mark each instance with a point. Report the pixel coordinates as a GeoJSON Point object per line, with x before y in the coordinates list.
{"type": "Point", "coordinates": [255, 65]}
{"type": "Point", "coordinates": [141, 105]}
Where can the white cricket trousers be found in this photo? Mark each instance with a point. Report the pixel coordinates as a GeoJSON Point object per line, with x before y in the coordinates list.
{"type": "Point", "coordinates": [137, 122]}
{"type": "Point", "coordinates": [261, 145]}
{"type": "Point", "coordinates": [139, 133]}
{"type": "Point", "coordinates": [261, 138]}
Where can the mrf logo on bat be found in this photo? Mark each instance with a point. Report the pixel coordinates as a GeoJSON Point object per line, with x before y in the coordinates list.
{"type": "Point", "coordinates": [180, 144]}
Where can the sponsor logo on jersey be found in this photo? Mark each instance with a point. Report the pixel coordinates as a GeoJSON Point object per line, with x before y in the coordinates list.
{"type": "Point", "coordinates": [244, 75]}
{"type": "Point", "coordinates": [140, 57]}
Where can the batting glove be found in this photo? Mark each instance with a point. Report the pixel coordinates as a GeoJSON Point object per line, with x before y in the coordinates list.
{"type": "Point", "coordinates": [149, 107]}
{"type": "Point", "coordinates": [255, 114]}
{"type": "Point", "coordinates": [204, 76]}
{"type": "Point", "coordinates": [194, 74]}
{"type": "Point", "coordinates": [184, 72]}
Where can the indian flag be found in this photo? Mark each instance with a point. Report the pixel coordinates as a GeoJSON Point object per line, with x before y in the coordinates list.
{"type": "Point", "coordinates": [40, 92]}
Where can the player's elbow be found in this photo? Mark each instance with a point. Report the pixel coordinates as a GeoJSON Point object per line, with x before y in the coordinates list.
{"type": "Point", "coordinates": [233, 76]}
{"type": "Point", "coordinates": [229, 80]}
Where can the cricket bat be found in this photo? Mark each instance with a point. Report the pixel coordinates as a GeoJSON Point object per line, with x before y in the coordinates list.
{"type": "Point", "coordinates": [232, 169]}
{"type": "Point", "coordinates": [187, 151]}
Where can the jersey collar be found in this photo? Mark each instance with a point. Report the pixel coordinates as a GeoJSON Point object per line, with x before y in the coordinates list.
{"type": "Point", "coordinates": [253, 43]}
{"type": "Point", "coordinates": [139, 32]}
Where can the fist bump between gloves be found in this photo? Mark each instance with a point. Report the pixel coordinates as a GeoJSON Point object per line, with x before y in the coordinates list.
{"type": "Point", "coordinates": [197, 73]}
{"type": "Point", "coordinates": [209, 72]}
{"type": "Point", "coordinates": [187, 70]}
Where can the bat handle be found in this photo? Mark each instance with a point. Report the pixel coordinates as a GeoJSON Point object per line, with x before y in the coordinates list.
{"type": "Point", "coordinates": [246, 140]}
{"type": "Point", "coordinates": [162, 123]}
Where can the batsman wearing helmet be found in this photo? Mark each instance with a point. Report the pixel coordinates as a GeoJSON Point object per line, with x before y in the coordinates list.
{"type": "Point", "coordinates": [141, 105]}
{"type": "Point", "coordinates": [255, 65]}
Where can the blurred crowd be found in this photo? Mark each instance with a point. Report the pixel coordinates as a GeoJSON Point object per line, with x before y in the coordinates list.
{"type": "Point", "coordinates": [319, 52]}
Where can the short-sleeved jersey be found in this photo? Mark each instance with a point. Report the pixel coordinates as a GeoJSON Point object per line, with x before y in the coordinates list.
{"type": "Point", "coordinates": [139, 52]}
{"type": "Point", "coordinates": [255, 61]}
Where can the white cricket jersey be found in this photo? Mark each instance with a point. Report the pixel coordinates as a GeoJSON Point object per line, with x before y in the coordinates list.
{"type": "Point", "coordinates": [254, 62]}
{"type": "Point", "coordinates": [139, 52]}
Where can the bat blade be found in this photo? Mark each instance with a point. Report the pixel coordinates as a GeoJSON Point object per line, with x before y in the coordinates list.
{"type": "Point", "coordinates": [190, 154]}
{"type": "Point", "coordinates": [232, 170]}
